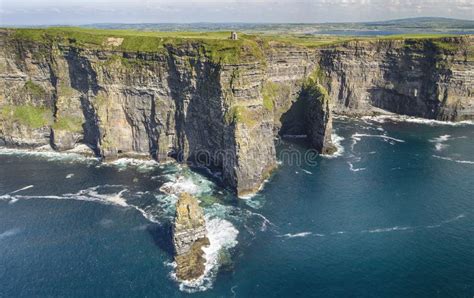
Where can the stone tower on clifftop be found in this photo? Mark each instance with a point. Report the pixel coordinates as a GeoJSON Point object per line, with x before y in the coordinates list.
{"type": "Point", "coordinates": [233, 35]}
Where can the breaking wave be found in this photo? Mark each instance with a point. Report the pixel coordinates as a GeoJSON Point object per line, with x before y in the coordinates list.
{"type": "Point", "coordinates": [358, 136]}
{"type": "Point", "coordinates": [401, 118]}
{"type": "Point", "coordinates": [49, 155]}
{"type": "Point", "coordinates": [454, 160]}
{"type": "Point", "coordinates": [376, 230]}
{"type": "Point", "coordinates": [256, 201]}
{"type": "Point", "coordinates": [351, 167]}
{"type": "Point", "coordinates": [187, 181]}
{"type": "Point", "coordinates": [297, 235]}
{"type": "Point", "coordinates": [9, 233]}
{"type": "Point", "coordinates": [382, 230]}
{"type": "Point", "coordinates": [22, 189]}
{"type": "Point", "coordinates": [141, 165]}
{"type": "Point", "coordinates": [222, 237]}
{"type": "Point", "coordinates": [439, 142]}
{"type": "Point", "coordinates": [336, 140]}
{"type": "Point", "coordinates": [104, 194]}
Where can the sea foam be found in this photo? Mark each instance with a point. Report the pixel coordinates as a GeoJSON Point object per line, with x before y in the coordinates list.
{"type": "Point", "coordinates": [9, 233]}
{"type": "Point", "coordinates": [401, 118]}
{"type": "Point", "coordinates": [222, 236]}
{"type": "Point", "coordinates": [336, 140]}
{"type": "Point", "coordinates": [49, 155]}
{"type": "Point", "coordinates": [297, 235]}
{"type": "Point", "coordinates": [439, 142]}
{"type": "Point", "coordinates": [357, 136]}
{"type": "Point", "coordinates": [351, 167]}
{"type": "Point", "coordinates": [454, 160]}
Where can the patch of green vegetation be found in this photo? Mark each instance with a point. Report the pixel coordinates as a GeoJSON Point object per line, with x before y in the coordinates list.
{"type": "Point", "coordinates": [446, 46]}
{"type": "Point", "coordinates": [234, 77]}
{"type": "Point", "coordinates": [232, 51]}
{"type": "Point", "coordinates": [68, 123]}
{"type": "Point", "coordinates": [125, 62]}
{"type": "Point", "coordinates": [414, 45]}
{"type": "Point", "coordinates": [230, 116]}
{"type": "Point", "coordinates": [309, 41]}
{"type": "Point", "coordinates": [33, 117]}
{"type": "Point", "coordinates": [470, 53]}
{"type": "Point", "coordinates": [318, 76]}
{"type": "Point", "coordinates": [100, 101]}
{"type": "Point", "coordinates": [65, 90]}
{"type": "Point", "coordinates": [414, 36]}
{"type": "Point", "coordinates": [270, 92]}
{"type": "Point", "coordinates": [34, 90]}
{"type": "Point", "coordinates": [241, 114]}
{"type": "Point", "coordinates": [312, 86]}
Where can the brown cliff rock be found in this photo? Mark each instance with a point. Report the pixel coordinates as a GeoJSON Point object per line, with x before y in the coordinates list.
{"type": "Point", "coordinates": [189, 237]}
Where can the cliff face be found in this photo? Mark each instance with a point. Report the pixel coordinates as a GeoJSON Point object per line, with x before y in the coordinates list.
{"type": "Point", "coordinates": [425, 78]}
{"type": "Point", "coordinates": [173, 103]}
{"type": "Point", "coordinates": [181, 102]}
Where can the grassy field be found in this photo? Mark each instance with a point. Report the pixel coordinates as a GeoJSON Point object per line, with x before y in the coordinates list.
{"type": "Point", "coordinates": [215, 45]}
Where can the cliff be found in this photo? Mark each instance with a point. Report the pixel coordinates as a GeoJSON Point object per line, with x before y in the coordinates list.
{"type": "Point", "coordinates": [189, 236]}
{"type": "Point", "coordinates": [429, 78]}
{"type": "Point", "coordinates": [212, 101]}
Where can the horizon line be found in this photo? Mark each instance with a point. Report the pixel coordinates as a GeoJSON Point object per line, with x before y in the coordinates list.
{"type": "Point", "coordinates": [236, 22]}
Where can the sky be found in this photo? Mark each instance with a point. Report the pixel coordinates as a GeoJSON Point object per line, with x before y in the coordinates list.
{"type": "Point", "coordinates": [74, 12]}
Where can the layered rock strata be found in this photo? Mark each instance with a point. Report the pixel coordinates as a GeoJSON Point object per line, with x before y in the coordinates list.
{"type": "Point", "coordinates": [431, 79]}
{"type": "Point", "coordinates": [220, 107]}
{"type": "Point", "coordinates": [189, 237]}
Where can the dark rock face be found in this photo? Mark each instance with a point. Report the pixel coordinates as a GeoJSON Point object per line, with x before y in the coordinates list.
{"type": "Point", "coordinates": [189, 236]}
{"type": "Point", "coordinates": [429, 79]}
{"type": "Point", "coordinates": [318, 118]}
{"type": "Point", "coordinates": [178, 103]}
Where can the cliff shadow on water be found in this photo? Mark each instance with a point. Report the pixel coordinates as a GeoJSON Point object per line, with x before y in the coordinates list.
{"type": "Point", "coordinates": [162, 236]}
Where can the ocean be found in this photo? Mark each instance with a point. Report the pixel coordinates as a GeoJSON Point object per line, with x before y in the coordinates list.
{"type": "Point", "coordinates": [391, 214]}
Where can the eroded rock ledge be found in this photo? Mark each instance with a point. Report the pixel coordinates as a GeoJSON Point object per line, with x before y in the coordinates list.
{"type": "Point", "coordinates": [189, 237]}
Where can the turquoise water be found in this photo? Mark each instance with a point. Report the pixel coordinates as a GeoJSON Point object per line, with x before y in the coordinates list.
{"type": "Point", "coordinates": [391, 216]}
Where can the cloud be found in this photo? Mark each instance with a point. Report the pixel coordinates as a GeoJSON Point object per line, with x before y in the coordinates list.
{"type": "Point", "coordinates": [94, 11]}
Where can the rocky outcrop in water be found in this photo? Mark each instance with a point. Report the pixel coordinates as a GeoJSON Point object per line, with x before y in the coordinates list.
{"type": "Point", "coordinates": [218, 105]}
{"type": "Point", "coordinates": [189, 237]}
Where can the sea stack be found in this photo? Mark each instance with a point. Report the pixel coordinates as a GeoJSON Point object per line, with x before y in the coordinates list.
{"type": "Point", "coordinates": [189, 237]}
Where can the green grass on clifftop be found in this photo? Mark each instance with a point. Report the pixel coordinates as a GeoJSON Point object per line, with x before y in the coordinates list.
{"type": "Point", "coordinates": [215, 45]}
